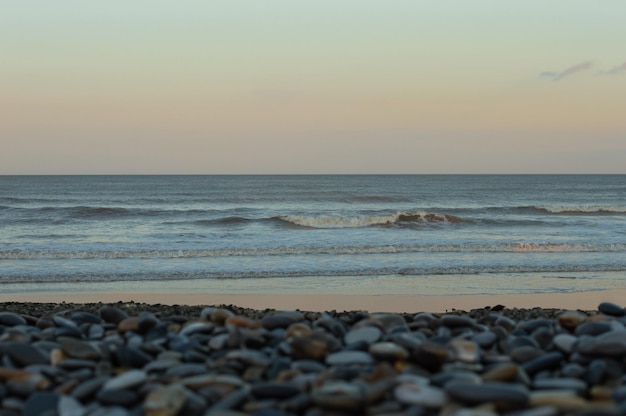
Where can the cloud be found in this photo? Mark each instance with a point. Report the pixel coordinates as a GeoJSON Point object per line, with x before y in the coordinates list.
{"type": "Point", "coordinates": [617, 70]}
{"type": "Point", "coordinates": [557, 76]}
{"type": "Point", "coordinates": [572, 70]}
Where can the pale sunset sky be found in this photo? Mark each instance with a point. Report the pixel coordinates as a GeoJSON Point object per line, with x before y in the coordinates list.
{"type": "Point", "coordinates": [471, 86]}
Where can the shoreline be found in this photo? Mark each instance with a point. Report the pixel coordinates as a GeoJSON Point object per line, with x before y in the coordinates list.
{"type": "Point", "coordinates": [338, 302]}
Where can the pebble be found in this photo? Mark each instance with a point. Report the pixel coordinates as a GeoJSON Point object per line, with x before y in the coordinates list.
{"type": "Point", "coordinates": [611, 309]}
{"type": "Point", "coordinates": [131, 359]}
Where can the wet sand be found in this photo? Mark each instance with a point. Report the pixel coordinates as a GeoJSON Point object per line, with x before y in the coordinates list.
{"type": "Point", "coordinates": [340, 302]}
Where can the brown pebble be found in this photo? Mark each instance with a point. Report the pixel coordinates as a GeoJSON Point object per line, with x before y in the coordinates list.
{"type": "Point", "coordinates": [502, 372]}
{"type": "Point", "coordinates": [128, 324]}
{"type": "Point", "coordinates": [242, 322]}
{"type": "Point", "coordinates": [571, 319]}
{"type": "Point", "coordinates": [297, 330]}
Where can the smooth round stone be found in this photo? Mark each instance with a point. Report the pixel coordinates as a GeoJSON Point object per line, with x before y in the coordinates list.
{"type": "Point", "coordinates": [312, 347]}
{"type": "Point", "coordinates": [81, 317]}
{"type": "Point", "coordinates": [88, 388]}
{"type": "Point", "coordinates": [349, 357]}
{"type": "Point", "coordinates": [41, 402]}
{"type": "Point", "coordinates": [339, 395]}
{"type": "Point", "coordinates": [11, 319]}
{"type": "Point", "coordinates": [146, 321]}
{"type": "Point", "coordinates": [486, 339]}
{"type": "Point", "coordinates": [545, 362]}
{"type": "Point", "coordinates": [443, 378]}
{"type": "Point", "coordinates": [593, 328]}
{"type": "Point", "coordinates": [112, 314]}
{"type": "Point", "coordinates": [505, 322]}
{"type": "Point", "coordinates": [531, 325]}
{"type": "Point", "coordinates": [308, 366]}
{"type": "Point", "coordinates": [571, 319]}
{"type": "Point", "coordinates": [129, 324]}
{"type": "Point", "coordinates": [579, 386]}
{"type": "Point", "coordinates": [127, 380]}
{"type": "Point", "coordinates": [565, 342]}
{"type": "Point", "coordinates": [76, 348]}
{"type": "Point", "coordinates": [612, 309]}
{"type": "Point", "coordinates": [525, 353]}
{"type": "Point", "coordinates": [611, 344]}
{"type": "Point", "coordinates": [197, 328]}
{"type": "Point", "coordinates": [572, 370]}
{"type": "Point", "coordinates": [281, 320]}
{"type": "Point", "coordinates": [596, 372]}
{"type": "Point", "coordinates": [388, 351]}
{"type": "Point", "coordinates": [367, 334]}
{"type": "Point", "coordinates": [131, 357]}
{"type": "Point", "coordinates": [390, 322]}
{"type": "Point", "coordinates": [455, 321]}
{"type": "Point", "coordinates": [297, 329]}
{"type": "Point", "coordinates": [165, 401]}
{"type": "Point", "coordinates": [24, 354]}
{"type": "Point", "coordinates": [427, 396]}
{"type": "Point", "coordinates": [468, 393]}
{"type": "Point", "coordinates": [465, 350]}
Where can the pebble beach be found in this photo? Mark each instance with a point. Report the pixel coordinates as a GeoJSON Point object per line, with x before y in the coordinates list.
{"type": "Point", "coordinates": [130, 358]}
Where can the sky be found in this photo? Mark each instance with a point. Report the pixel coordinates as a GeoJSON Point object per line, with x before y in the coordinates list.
{"type": "Point", "coordinates": [269, 86]}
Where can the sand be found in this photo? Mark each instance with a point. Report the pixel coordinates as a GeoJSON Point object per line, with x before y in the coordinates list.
{"type": "Point", "coordinates": [325, 302]}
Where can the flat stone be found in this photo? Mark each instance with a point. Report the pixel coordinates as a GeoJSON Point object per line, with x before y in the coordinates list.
{"type": "Point", "coordinates": [11, 319]}
{"type": "Point", "coordinates": [339, 395]}
{"type": "Point", "coordinates": [367, 334]}
{"type": "Point", "coordinates": [388, 351]}
{"type": "Point", "coordinates": [80, 317]}
{"type": "Point", "coordinates": [298, 329]}
{"type": "Point", "coordinates": [349, 357]}
{"type": "Point", "coordinates": [21, 378]}
{"type": "Point", "coordinates": [513, 394]}
{"type": "Point", "coordinates": [545, 362]}
{"type": "Point", "coordinates": [563, 401]}
{"type": "Point", "coordinates": [593, 328]}
{"type": "Point", "coordinates": [281, 320]}
{"type": "Point", "coordinates": [427, 396]}
{"type": "Point", "coordinates": [127, 380]}
{"type": "Point", "coordinates": [24, 354]}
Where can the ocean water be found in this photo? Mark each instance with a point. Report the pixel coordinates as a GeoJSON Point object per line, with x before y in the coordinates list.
{"type": "Point", "coordinates": [380, 234]}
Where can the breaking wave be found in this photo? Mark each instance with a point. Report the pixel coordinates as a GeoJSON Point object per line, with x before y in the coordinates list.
{"type": "Point", "coordinates": [368, 221]}
{"type": "Point", "coordinates": [582, 210]}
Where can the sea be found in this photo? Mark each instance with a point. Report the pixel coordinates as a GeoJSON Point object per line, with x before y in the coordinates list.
{"type": "Point", "coordinates": [345, 234]}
